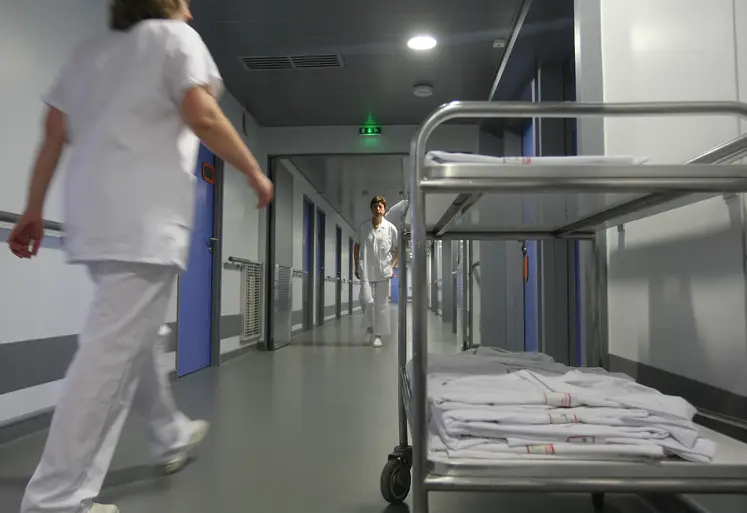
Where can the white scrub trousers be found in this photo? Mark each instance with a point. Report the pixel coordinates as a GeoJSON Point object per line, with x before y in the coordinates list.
{"type": "Point", "coordinates": [116, 366]}
{"type": "Point", "coordinates": [374, 297]}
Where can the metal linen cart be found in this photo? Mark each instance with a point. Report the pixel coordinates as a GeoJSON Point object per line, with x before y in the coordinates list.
{"type": "Point", "coordinates": [653, 185]}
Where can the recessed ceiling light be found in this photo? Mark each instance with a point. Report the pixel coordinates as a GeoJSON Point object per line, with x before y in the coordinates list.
{"type": "Point", "coordinates": [422, 43]}
{"type": "Point", "coordinates": [422, 90]}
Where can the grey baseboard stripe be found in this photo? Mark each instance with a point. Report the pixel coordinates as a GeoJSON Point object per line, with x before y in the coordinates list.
{"type": "Point", "coordinates": [39, 361]}
{"type": "Point", "coordinates": [25, 425]}
{"type": "Point", "coordinates": [250, 348]}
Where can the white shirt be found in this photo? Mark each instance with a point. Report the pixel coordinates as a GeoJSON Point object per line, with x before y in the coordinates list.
{"type": "Point", "coordinates": [129, 188]}
{"type": "Point", "coordinates": [377, 246]}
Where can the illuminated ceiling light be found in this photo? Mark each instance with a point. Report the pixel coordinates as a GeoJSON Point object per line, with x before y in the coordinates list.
{"type": "Point", "coordinates": [422, 43]}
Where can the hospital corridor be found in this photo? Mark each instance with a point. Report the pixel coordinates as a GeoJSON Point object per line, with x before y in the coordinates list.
{"type": "Point", "coordinates": [373, 257]}
{"type": "Point", "coordinates": [304, 429]}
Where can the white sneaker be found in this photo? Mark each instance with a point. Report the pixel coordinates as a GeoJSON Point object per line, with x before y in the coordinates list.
{"type": "Point", "coordinates": [200, 430]}
{"type": "Point", "coordinates": [377, 342]}
{"type": "Point", "coordinates": [103, 508]}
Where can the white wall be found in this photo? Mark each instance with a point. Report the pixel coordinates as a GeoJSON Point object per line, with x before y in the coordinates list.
{"type": "Point", "coordinates": [49, 298]}
{"type": "Point", "coordinates": [676, 281]}
{"type": "Point", "coordinates": [29, 66]}
{"type": "Point", "coordinates": [242, 223]}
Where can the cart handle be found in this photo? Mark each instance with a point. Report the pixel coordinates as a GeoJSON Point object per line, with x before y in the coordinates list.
{"type": "Point", "coordinates": [481, 110]}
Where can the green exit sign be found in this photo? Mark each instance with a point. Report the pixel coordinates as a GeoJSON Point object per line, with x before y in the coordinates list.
{"type": "Point", "coordinates": [369, 130]}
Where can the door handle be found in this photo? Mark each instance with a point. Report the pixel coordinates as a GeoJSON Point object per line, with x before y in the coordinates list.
{"type": "Point", "coordinates": [210, 242]}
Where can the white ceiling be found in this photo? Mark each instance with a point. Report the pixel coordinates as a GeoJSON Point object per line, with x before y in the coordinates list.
{"type": "Point", "coordinates": [349, 183]}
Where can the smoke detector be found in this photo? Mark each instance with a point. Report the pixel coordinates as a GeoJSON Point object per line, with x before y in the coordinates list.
{"type": "Point", "coordinates": [422, 90]}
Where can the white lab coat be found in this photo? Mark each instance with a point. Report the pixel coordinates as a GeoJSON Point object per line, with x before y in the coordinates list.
{"type": "Point", "coordinates": [129, 200]}
{"type": "Point", "coordinates": [129, 188]}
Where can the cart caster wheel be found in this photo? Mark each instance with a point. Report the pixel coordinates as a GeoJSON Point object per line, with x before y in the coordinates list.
{"type": "Point", "coordinates": [597, 500]}
{"type": "Point", "coordinates": [395, 481]}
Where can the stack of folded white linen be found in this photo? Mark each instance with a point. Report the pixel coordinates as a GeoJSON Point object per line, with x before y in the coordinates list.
{"type": "Point", "coordinates": [488, 404]}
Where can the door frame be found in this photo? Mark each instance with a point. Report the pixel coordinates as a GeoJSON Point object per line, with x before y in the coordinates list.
{"type": "Point", "coordinates": [269, 263]}
{"type": "Point", "coordinates": [269, 296]}
{"type": "Point", "coordinates": [216, 276]}
{"type": "Point", "coordinates": [321, 271]}
{"type": "Point", "coordinates": [351, 275]}
{"type": "Point", "coordinates": [308, 315]}
{"type": "Point", "coordinates": [338, 271]}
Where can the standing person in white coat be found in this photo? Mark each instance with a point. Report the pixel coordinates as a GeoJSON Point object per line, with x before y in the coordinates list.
{"type": "Point", "coordinates": [375, 261]}
{"type": "Point", "coordinates": [133, 105]}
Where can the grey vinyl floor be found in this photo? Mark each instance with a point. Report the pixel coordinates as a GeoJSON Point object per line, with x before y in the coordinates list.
{"type": "Point", "coordinates": [305, 429]}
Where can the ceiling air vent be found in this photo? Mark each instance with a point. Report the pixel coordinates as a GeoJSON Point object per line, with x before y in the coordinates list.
{"type": "Point", "coordinates": [266, 63]}
{"type": "Point", "coordinates": [317, 61]}
{"type": "Point", "coordinates": [292, 62]}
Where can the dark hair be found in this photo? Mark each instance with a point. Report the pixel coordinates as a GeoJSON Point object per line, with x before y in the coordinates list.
{"type": "Point", "coordinates": [377, 200]}
{"type": "Point", "coordinates": [124, 14]}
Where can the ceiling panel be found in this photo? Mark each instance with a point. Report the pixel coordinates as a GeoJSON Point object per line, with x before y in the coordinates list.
{"type": "Point", "coordinates": [349, 183]}
{"type": "Point", "coordinates": [379, 70]}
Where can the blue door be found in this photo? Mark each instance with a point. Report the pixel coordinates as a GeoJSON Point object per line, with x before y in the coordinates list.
{"type": "Point", "coordinates": [395, 287]}
{"type": "Point", "coordinates": [531, 298]}
{"type": "Point", "coordinates": [195, 285]}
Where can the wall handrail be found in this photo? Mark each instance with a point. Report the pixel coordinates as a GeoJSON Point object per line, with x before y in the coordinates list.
{"type": "Point", "coordinates": [11, 218]}
{"type": "Point", "coordinates": [243, 261]}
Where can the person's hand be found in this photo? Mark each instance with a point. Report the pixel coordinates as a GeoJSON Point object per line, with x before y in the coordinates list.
{"type": "Point", "coordinates": [263, 187]}
{"type": "Point", "coordinates": [27, 235]}
{"type": "Point", "coordinates": [357, 273]}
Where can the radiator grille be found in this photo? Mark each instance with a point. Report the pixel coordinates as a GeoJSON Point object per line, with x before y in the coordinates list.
{"type": "Point", "coordinates": [251, 312]}
{"type": "Point", "coordinates": [283, 306]}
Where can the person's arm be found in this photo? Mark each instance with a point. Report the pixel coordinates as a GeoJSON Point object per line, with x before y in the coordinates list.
{"type": "Point", "coordinates": [204, 116]}
{"type": "Point", "coordinates": [356, 255]}
{"type": "Point", "coordinates": [26, 237]}
{"type": "Point", "coordinates": [395, 247]}
{"type": "Point", "coordinates": [47, 159]}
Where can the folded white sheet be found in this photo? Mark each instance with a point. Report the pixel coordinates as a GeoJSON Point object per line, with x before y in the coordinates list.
{"type": "Point", "coordinates": [564, 422]}
{"type": "Point", "coordinates": [497, 450]}
{"type": "Point", "coordinates": [572, 389]}
{"type": "Point", "coordinates": [493, 404]}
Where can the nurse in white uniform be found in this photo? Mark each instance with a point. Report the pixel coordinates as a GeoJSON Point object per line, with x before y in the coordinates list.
{"type": "Point", "coordinates": [375, 261]}
{"type": "Point", "coordinates": [132, 105]}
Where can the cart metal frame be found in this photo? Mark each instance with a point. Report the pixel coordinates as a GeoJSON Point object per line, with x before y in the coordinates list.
{"type": "Point", "coordinates": [409, 466]}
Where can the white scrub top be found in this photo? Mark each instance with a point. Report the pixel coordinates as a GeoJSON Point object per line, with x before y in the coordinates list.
{"type": "Point", "coordinates": [129, 188]}
{"type": "Point", "coordinates": [376, 254]}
